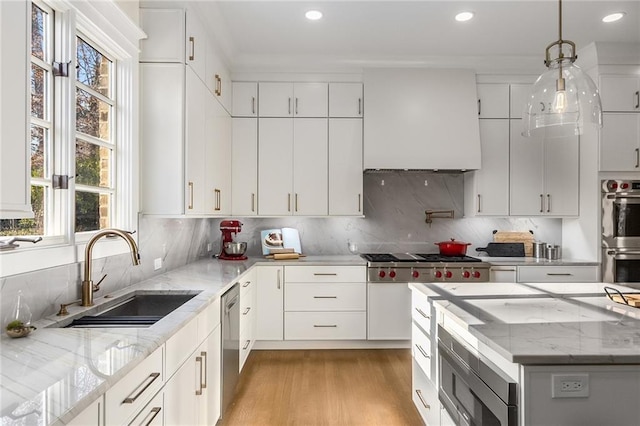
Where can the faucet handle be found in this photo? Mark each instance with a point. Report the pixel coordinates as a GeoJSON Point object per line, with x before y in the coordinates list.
{"type": "Point", "coordinates": [96, 286]}
{"type": "Point", "coordinates": [63, 307]}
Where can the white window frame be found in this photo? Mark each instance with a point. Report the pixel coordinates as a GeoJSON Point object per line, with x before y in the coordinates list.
{"type": "Point", "coordinates": [115, 33]}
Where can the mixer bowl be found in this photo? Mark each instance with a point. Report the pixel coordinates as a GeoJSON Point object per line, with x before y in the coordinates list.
{"type": "Point", "coordinates": [235, 249]}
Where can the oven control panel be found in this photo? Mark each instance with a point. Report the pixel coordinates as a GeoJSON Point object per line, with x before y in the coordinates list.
{"type": "Point", "coordinates": [478, 272]}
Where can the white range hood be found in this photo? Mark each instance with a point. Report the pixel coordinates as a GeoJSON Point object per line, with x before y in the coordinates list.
{"type": "Point", "coordinates": [421, 119]}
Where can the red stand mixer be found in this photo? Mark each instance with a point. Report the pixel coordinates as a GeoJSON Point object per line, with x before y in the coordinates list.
{"type": "Point", "coordinates": [230, 250]}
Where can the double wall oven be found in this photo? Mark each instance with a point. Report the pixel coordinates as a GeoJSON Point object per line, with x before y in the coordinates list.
{"type": "Point", "coordinates": [621, 231]}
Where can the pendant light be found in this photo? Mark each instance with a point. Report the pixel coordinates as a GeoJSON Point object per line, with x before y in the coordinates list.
{"type": "Point", "coordinates": [564, 100]}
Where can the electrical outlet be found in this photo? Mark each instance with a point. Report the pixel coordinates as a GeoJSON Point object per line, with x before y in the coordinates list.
{"type": "Point", "coordinates": [157, 264]}
{"type": "Point", "coordinates": [570, 385]}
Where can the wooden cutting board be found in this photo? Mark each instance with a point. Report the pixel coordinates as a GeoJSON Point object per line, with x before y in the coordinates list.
{"type": "Point", "coordinates": [525, 237]}
{"type": "Point", "coordinates": [632, 299]}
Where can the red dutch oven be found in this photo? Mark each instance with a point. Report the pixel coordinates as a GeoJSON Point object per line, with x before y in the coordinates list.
{"type": "Point", "coordinates": [453, 248]}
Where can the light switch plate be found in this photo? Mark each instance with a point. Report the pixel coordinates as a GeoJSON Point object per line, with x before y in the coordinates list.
{"type": "Point", "coordinates": [157, 263]}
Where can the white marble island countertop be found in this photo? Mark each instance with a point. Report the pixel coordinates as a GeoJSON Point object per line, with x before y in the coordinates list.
{"type": "Point", "coordinates": [544, 323]}
{"type": "Point", "coordinates": [54, 373]}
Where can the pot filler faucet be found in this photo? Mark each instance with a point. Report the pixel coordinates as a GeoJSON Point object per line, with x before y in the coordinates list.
{"type": "Point", "coordinates": [87, 284]}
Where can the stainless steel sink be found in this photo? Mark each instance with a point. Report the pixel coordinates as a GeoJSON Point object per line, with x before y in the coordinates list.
{"type": "Point", "coordinates": [137, 311]}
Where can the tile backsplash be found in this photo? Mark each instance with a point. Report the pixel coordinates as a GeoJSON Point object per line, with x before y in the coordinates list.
{"type": "Point", "coordinates": [394, 205]}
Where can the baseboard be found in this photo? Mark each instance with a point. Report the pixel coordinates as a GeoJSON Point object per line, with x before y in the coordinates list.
{"type": "Point", "coordinates": [331, 344]}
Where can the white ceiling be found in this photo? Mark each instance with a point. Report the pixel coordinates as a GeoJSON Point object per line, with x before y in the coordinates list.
{"type": "Point", "coordinates": [263, 34]}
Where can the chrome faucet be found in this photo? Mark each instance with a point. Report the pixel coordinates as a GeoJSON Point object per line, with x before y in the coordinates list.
{"type": "Point", "coordinates": [87, 284]}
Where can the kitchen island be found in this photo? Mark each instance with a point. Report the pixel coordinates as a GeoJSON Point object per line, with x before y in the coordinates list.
{"type": "Point", "coordinates": [571, 354]}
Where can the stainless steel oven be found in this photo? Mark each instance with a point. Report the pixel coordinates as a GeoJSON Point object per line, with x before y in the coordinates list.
{"type": "Point", "coordinates": [473, 392]}
{"type": "Point", "coordinates": [621, 265]}
{"type": "Point", "coordinates": [621, 213]}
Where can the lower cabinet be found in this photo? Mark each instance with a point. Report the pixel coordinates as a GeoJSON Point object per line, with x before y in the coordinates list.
{"type": "Point", "coordinates": [556, 274]}
{"type": "Point", "coordinates": [152, 414]}
{"type": "Point", "coordinates": [425, 396]}
{"type": "Point", "coordinates": [270, 311]}
{"type": "Point", "coordinates": [92, 415]}
{"type": "Point", "coordinates": [248, 300]}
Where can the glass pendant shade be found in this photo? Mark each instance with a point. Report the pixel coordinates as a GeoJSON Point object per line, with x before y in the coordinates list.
{"type": "Point", "coordinates": [563, 102]}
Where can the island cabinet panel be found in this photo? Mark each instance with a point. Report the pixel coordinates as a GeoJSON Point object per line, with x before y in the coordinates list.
{"type": "Point", "coordinates": [92, 415]}
{"type": "Point", "coordinates": [544, 274]}
{"type": "Point", "coordinates": [425, 396]}
{"type": "Point", "coordinates": [612, 395]}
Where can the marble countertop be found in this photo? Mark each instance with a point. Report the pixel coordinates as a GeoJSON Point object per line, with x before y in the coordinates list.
{"type": "Point", "coordinates": [54, 373]}
{"type": "Point", "coordinates": [544, 323]}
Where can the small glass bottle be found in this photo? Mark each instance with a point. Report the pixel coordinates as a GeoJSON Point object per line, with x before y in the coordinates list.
{"type": "Point", "coordinates": [18, 321]}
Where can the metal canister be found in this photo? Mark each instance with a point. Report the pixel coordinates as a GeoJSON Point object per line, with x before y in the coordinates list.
{"type": "Point", "coordinates": [539, 250]}
{"type": "Point", "coordinates": [553, 252]}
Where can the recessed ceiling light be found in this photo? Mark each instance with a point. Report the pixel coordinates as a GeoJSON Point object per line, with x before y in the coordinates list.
{"type": "Point", "coordinates": [464, 16]}
{"type": "Point", "coordinates": [313, 15]}
{"type": "Point", "coordinates": [613, 17]}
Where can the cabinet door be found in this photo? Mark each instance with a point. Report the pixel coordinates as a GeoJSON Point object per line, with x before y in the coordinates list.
{"type": "Point", "coordinates": [244, 167]}
{"type": "Point", "coordinates": [218, 78]}
{"type": "Point", "coordinates": [503, 274]}
{"type": "Point", "coordinates": [619, 142]}
{"type": "Point", "coordinates": [270, 304]}
{"type": "Point", "coordinates": [311, 99]}
{"type": "Point", "coordinates": [526, 195]}
{"type": "Point", "coordinates": [162, 108]}
{"type": "Point", "coordinates": [620, 93]}
{"type": "Point", "coordinates": [275, 166]}
{"type": "Point", "coordinates": [493, 101]}
{"type": "Point", "coordinates": [345, 100]}
{"type": "Point", "coordinates": [152, 414]}
{"type": "Point", "coordinates": [92, 415]}
{"type": "Point", "coordinates": [310, 166]}
{"type": "Point", "coordinates": [195, 117]}
{"type": "Point", "coordinates": [165, 35]}
{"type": "Point", "coordinates": [245, 99]}
{"type": "Point", "coordinates": [196, 45]}
{"type": "Point", "coordinates": [275, 99]}
{"type": "Point", "coordinates": [180, 399]}
{"type": "Point", "coordinates": [561, 176]}
{"type": "Point", "coordinates": [218, 158]}
{"type": "Point", "coordinates": [345, 167]}
{"type": "Point", "coordinates": [517, 99]}
{"type": "Point", "coordinates": [15, 161]}
{"type": "Point", "coordinates": [492, 181]}
{"type": "Point", "coordinates": [209, 400]}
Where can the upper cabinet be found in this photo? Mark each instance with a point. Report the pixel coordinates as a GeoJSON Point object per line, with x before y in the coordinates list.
{"type": "Point", "coordinates": [245, 99]}
{"type": "Point", "coordinates": [15, 162]}
{"type": "Point", "coordinates": [620, 93]}
{"type": "Point", "coordinates": [421, 119]}
{"type": "Point", "coordinates": [345, 100]}
{"type": "Point", "coordinates": [278, 99]}
{"type": "Point", "coordinates": [518, 94]}
{"type": "Point", "coordinates": [493, 100]}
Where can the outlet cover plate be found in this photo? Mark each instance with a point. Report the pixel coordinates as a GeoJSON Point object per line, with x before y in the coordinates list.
{"type": "Point", "coordinates": [569, 385]}
{"type": "Point", "coordinates": [157, 263]}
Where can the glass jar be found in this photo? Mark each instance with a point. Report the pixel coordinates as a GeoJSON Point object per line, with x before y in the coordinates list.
{"type": "Point", "coordinates": [17, 323]}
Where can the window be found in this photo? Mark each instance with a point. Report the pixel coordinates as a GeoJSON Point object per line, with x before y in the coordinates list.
{"type": "Point", "coordinates": [82, 126]}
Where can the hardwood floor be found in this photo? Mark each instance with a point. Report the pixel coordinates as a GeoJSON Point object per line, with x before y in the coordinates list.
{"type": "Point", "coordinates": [325, 387]}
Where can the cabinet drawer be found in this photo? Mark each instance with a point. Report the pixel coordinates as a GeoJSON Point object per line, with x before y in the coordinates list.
{"type": "Point", "coordinates": [247, 284]}
{"type": "Point", "coordinates": [425, 397]}
{"type": "Point", "coordinates": [246, 344]}
{"type": "Point", "coordinates": [421, 311]}
{"type": "Point", "coordinates": [325, 325]}
{"type": "Point", "coordinates": [152, 414]}
{"type": "Point", "coordinates": [208, 320]}
{"type": "Point", "coordinates": [325, 297]}
{"type": "Point", "coordinates": [134, 390]}
{"type": "Point", "coordinates": [541, 274]}
{"type": "Point", "coordinates": [333, 274]}
{"type": "Point", "coordinates": [421, 349]}
{"type": "Point", "coordinates": [247, 317]}
{"type": "Point", "coordinates": [180, 346]}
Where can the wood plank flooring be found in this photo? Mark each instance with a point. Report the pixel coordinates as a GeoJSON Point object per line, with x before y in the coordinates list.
{"type": "Point", "coordinates": [325, 387]}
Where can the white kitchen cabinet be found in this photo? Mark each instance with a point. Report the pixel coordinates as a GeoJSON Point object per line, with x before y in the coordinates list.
{"type": "Point", "coordinates": [493, 101]}
{"type": "Point", "coordinates": [350, 325]}
{"type": "Point", "coordinates": [196, 44]}
{"type": "Point", "coordinates": [503, 274]}
{"type": "Point", "coordinates": [196, 117]}
{"type": "Point", "coordinates": [151, 415]}
{"type": "Point", "coordinates": [245, 99]}
{"type": "Point", "coordinates": [248, 301]}
{"type": "Point", "coordinates": [165, 29]}
{"type": "Point", "coordinates": [131, 393]}
{"type": "Point", "coordinates": [620, 93]}
{"type": "Point", "coordinates": [181, 402]}
{"type": "Point", "coordinates": [559, 274]}
{"type": "Point", "coordinates": [244, 167]}
{"type": "Point", "coordinates": [345, 167]}
{"type": "Point", "coordinates": [15, 162]}
{"type": "Point", "coordinates": [270, 306]}
{"type": "Point", "coordinates": [292, 167]}
{"type": "Point", "coordinates": [217, 154]}
{"type": "Point", "coordinates": [346, 100]}
{"type": "Point", "coordinates": [517, 100]}
{"type": "Point", "coordinates": [284, 99]}
{"type": "Point", "coordinates": [92, 415]}
{"type": "Point", "coordinates": [620, 142]}
{"type": "Point", "coordinates": [218, 78]}
{"type": "Point", "coordinates": [544, 176]}
{"type": "Point", "coordinates": [487, 189]}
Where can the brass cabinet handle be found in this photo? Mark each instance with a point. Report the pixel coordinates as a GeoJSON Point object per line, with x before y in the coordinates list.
{"type": "Point", "coordinates": [153, 413]}
{"type": "Point", "coordinates": [637, 99]}
{"type": "Point", "coordinates": [419, 393]}
{"type": "Point", "coordinates": [548, 203]}
{"type": "Point", "coordinates": [132, 399]}
{"type": "Point", "coordinates": [199, 391]}
{"type": "Point", "coordinates": [218, 198]}
{"type": "Point", "coordinates": [246, 345]}
{"type": "Point", "coordinates": [359, 106]}
{"type": "Point", "coordinates": [247, 310]}
{"type": "Point", "coordinates": [278, 279]}
{"type": "Point", "coordinates": [253, 202]}
{"type": "Point", "coordinates": [325, 326]}
{"type": "Point", "coordinates": [204, 383]}
{"type": "Point", "coordinates": [192, 51]}
{"type": "Point", "coordinates": [253, 105]}
{"type": "Point", "coordinates": [479, 205]}
{"type": "Point", "coordinates": [422, 313]}
{"type": "Point", "coordinates": [541, 203]}
{"type": "Point", "coordinates": [325, 297]}
{"type": "Point", "coordinates": [289, 202]}
{"type": "Point", "coordinates": [422, 351]}
{"type": "Point", "coordinates": [190, 206]}
{"type": "Point", "coordinates": [218, 85]}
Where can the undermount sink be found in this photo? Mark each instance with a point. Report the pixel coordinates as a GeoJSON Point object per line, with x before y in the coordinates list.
{"type": "Point", "coordinates": [137, 311]}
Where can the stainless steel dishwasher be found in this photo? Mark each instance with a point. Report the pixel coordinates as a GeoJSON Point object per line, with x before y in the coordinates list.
{"type": "Point", "coordinates": [230, 313]}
